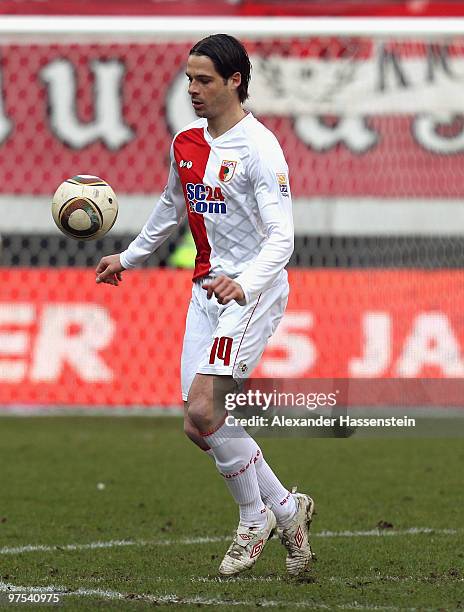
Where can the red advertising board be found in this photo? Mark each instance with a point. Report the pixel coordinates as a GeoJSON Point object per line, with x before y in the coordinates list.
{"type": "Point", "coordinates": [66, 341]}
{"type": "Point", "coordinates": [224, 7]}
{"type": "Point", "coordinates": [354, 116]}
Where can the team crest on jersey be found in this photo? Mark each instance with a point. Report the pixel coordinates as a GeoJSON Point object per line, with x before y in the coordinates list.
{"type": "Point", "coordinates": [226, 172]}
{"type": "Point", "coordinates": [242, 366]}
{"type": "Point", "coordinates": [283, 185]}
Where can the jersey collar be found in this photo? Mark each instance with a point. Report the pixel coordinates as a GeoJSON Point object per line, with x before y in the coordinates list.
{"type": "Point", "coordinates": [210, 139]}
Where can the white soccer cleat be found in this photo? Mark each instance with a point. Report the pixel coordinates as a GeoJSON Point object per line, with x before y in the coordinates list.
{"type": "Point", "coordinates": [247, 545]}
{"type": "Point", "coordinates": [295, 537]}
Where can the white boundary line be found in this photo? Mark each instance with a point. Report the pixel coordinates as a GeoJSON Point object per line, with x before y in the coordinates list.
{"type": "Point", "coordinates": [7, 550]}
{"type": "Point", "coordinates": [180, 600]}
{"type": "Point", "coordinates": [335, 579]}
{"type": "Point", "coordinates": [282, 578]}
{"type": "Point", "coordinates": [16, 550]}
{"type": "Point", "coordinates": [384, 532]}
{"type": "Point", "coordinates": [254, 27]}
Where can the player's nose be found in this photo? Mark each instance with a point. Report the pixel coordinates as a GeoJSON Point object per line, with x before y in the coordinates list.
{"type": "Point", "coordinates": [192, 89]}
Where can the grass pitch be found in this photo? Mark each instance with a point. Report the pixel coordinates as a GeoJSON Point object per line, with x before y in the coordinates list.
{"type": "Point", "coordinates": [163, 517]}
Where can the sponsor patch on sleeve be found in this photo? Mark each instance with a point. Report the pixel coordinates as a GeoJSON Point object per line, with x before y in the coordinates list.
{"type": "Point", "coordinates": [283, 184]}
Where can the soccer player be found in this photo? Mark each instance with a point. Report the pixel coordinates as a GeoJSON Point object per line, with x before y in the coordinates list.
{"type": "Point", "coordinates": [229, 175]}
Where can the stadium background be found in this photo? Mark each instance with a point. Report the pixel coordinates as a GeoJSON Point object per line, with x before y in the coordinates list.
{"type": "Point", "coordinates": [377, 186]}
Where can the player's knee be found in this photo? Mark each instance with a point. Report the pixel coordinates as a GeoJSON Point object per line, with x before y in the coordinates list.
{"type": "Point", "coordinates": [194, 435]}
{"type": "Point", "coordinates": [190, 430]}
{"type": "Point", "coordinates": [200, 413]}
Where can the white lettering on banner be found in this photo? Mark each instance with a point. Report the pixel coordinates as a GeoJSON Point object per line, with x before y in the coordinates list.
{"type": "Point", "coordinates": [431, 343]}
{"type": "Point", "coordinates": [108, 123]}
{"type": "Point", "coordinates": [387, 81]}
{"type": "Point", "coordinates": [353, 132]}
{"type": "Point", "coordinates": [14, 343]}
{"type": "Point", "coordinates": [291, 336]}
{"type": "Point", "coordinates": [429, 85]}
{"type": "Point", "coordinates": [5, 123]}
{"type": "Point", "coordinates": [426, 131]}
{"type": "Point", "coordinates": [376, 354]}
{"type": "Point", "coordinates": [56, 345]}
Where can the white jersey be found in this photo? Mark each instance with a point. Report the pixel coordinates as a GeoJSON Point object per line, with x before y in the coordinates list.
{"type": "Point", "coordinates": [236, 193]}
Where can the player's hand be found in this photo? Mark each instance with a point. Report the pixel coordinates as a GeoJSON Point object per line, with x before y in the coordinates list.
{"type": "Point", "coordinates": [109, 270]}
{"type": "Point", "coordinates": [225, 290]}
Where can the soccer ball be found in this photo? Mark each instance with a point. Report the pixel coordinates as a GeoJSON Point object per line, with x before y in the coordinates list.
{"type": "Point", "coordinates": [84, 207]}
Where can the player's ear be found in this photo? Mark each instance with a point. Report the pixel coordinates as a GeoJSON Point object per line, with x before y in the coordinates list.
{"type": "Point", "coordinates": [235, 80]}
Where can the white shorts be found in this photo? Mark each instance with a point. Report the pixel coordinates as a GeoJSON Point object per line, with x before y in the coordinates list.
{"type": "Point", "coordinates": [229, 340]}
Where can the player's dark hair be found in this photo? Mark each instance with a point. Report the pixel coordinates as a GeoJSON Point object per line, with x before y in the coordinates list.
{"type": "Point", "coordinates": [228, 56]}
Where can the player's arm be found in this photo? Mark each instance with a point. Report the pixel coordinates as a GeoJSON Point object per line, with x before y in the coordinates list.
{"type": "Point", "coordinates": [268, 175]}
{"type": "Point", "coordinates": [167, 214]}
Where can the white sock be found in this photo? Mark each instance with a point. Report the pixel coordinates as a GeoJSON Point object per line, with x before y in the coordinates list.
{"type": "Point", "coordinates": [273, 493]}
{"type": "Point", "coordinates": [234, 453]}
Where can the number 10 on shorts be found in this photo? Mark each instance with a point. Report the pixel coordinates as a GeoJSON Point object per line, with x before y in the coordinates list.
{"type": "Point", "coordinates": [222, 348]}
